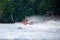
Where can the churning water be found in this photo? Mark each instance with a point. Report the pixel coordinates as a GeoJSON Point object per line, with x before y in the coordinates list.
{"type": "Point", "coordinates": [43, 28]}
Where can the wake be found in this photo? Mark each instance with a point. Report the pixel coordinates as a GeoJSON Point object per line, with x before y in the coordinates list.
{"type": "Point", "coordinates": [43, 28]}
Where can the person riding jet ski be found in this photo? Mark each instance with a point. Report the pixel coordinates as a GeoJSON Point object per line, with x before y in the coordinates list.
{"type": "Point", "coordinates": [25, 21]}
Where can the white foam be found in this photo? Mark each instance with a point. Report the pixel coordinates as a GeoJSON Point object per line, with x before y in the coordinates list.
{"type": "Point", "coordinates": [48, 30]}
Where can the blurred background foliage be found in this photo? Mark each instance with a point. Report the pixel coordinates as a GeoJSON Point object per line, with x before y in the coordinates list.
{"type": "Point", "coordinates": [15, 10]}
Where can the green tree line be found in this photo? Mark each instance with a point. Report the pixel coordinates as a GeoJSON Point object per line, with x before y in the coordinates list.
{"type": "Point", "coordinates": [15, 10]}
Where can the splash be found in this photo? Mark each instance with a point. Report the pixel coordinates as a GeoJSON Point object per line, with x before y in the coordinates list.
{"type": "Point", "coordinates": [43, 28]}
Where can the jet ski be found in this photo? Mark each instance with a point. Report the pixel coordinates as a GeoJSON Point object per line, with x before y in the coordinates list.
{"type": "Point", "coordinates": [24, 23]}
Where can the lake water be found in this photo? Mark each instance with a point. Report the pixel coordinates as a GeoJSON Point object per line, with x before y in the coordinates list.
{"type": "Point", "coordinates": [43, 30]}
